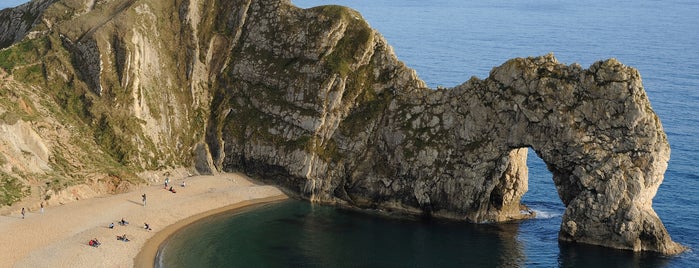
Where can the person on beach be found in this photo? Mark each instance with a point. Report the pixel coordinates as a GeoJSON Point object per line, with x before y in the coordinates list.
{"type": "Point", "coordinates": [111, 225]}
{"type": "Point", "coordinates": [144, 199]}
{"type": "Point", "coordinates": [167, 181]}
{"type": "Point", "coordinates": [23, 213]}
{"type": "Point", "coordinates": [146, 226]}
{"type": "Point", "coordinates": [182, 184]}
{"type": "Point", "coordinates": [122, 238]}
{"type": "Point", "coordinates": [94, 242]}
{"type": "Point", "coordinates": [42, 207]}
{"type": "Point", "coordinates": [123, 222]}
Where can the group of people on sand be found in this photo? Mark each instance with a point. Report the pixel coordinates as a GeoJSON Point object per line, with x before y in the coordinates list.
{"type": "Point", "coordinates": [122, 222]}
{"type": "Point", "coordinates": [95, 243]}
{"type": "Point", "coordinates": [41, 209]}
{"type": "Point", "coordinates": [167, 183]}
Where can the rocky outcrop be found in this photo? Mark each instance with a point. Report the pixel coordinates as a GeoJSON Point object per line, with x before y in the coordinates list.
{"type": "Point", "coordinates": [316, 101]}
{"type": "Point", "coordinates": [16, 23]}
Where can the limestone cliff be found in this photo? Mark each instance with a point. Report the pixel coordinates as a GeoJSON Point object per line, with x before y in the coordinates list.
{"type": "Point", "coordinates": [16, 23]}
{"type": "Point", "coordinates": [315, 100]}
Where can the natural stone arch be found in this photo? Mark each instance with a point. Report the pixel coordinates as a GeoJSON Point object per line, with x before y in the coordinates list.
{"type": "Point", "coordinates": [594, 129]}
{"type": "Point", "coordinates": [600, 139]}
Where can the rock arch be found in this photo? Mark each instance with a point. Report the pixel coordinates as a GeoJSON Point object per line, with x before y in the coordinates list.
{"type": "Point", "coordinates": [599, 137]}
{"type": "Point", "coordinates": [461, 152]}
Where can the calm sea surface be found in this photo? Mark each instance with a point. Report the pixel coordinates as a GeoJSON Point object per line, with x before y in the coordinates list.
{"type": "Point", "coordinates": [447, 42]}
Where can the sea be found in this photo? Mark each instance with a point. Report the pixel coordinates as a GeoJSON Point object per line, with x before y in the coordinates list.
{"type": "Point", "coordinates": [447, 42]}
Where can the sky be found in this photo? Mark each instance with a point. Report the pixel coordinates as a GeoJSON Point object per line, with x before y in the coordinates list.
{"type": "Point", "coordinates": [11, 3]}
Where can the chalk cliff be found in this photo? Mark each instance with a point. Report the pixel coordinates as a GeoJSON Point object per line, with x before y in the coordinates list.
{"type": "Point", "coordinates": [314, 100]}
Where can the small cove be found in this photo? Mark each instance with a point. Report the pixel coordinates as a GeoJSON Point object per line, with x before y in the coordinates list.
{"type": "Point", "coordinates": [298, 234]}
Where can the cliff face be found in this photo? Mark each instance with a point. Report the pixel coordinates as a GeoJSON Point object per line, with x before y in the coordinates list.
{"type": "Point", "coordinates": [16, 23]}
{"type": "Point", "coordinates": [109, 89]}
{"type": "Point", "coordinates": [316, 101]}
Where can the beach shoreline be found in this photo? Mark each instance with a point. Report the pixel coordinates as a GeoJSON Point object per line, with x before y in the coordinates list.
{"type": "Point", "coordinates": [149, 252]}
{"type": "Point", "coordinates": [59, 236]}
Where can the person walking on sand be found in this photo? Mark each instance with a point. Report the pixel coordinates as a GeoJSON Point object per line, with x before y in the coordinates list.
{"type": "Point", "coordinates": [42, 207]}
{"type": "Point", "coordinates": [144, 199]}
{"type": "Point", "coordinates": [23, 213]}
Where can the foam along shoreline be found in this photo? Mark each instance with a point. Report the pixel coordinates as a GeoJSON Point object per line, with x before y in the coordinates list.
{"type": "Point", "coordinates": [59, 236]}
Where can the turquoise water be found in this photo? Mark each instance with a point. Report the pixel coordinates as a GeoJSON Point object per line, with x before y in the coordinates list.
{"type": "Point", "coordinates": [447, 42]}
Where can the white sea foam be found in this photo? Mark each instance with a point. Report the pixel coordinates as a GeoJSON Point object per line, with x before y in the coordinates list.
{"type": "Point", "coordinates": [159, 258]}
{"type": "Point", "coordinates": [543, 214]}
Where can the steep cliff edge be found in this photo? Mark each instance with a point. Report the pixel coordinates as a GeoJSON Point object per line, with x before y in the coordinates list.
{"type": "Point", "coordinates": [16, 23]}
{"type": "Point", "coordinates": [315, 100]}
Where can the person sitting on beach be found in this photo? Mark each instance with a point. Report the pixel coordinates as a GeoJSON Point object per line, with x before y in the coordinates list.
{"type": "Point", "coordinates": [111, 225]}
{"type": "Point", "coordinates": [123, 222]}
{"type": "Point", "coordinates": [94, 242]}
{"type": "Point", "coordinates": [172, 190]}
{"type": "Point", "coordinates": [122, 238]}
{"type": "Point", "coordinates": [182, 184]}
{"type": "Point", "coordinates": [146, 226]}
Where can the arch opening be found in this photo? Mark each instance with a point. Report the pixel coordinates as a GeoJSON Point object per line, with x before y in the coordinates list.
{"type": "Point", "coordinates": [542, 196]}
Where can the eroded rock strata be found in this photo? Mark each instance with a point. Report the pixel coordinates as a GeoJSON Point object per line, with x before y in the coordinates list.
{"type": "Point", "coordinates": [316, 101]}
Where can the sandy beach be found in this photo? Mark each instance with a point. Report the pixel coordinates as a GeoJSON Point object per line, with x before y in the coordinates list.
{"type": "Point", "coordinates": [59, 237]}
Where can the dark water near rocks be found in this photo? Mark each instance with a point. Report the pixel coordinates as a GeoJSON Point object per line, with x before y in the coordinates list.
{"type": "Point", "coordinates": [448, 41]}
{"type": "Point", "coordinates": [298, 234]}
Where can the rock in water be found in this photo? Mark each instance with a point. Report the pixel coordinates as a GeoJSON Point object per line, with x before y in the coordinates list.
{"type": "Point", "coordinates": [316, 101]}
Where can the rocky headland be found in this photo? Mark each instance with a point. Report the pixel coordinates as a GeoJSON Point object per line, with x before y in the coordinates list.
{"type": "Point", "coordinates": [108, 94]}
